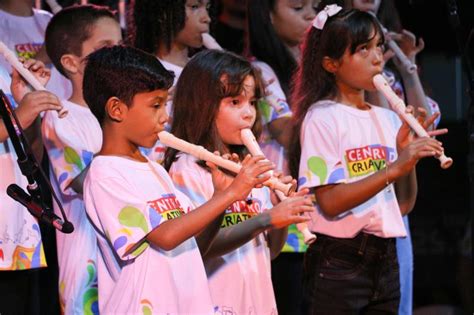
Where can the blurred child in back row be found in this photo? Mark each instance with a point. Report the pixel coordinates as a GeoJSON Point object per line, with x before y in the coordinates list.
{"type": "Point", "coordinates": [72, 34]}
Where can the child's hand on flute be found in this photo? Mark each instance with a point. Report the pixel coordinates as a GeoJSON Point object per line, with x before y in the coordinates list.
{"type": "Point", "coordinates": [220, 179]}
{"type": "Point", "coordinates": [292, 210]}
{"type": "Point", "coordinates": [252, 175]}
{"type": "Point", "coordinates": [33, 103]}
{"type": "Point", "coordinates": [406, 135]}
{"type": "Point", "coordinates": [19, 86]}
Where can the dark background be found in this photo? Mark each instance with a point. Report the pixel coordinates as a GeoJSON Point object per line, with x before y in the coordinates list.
{"type": "Point", "coordinates": [440, 223]}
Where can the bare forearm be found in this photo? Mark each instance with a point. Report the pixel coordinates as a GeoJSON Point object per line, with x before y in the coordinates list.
{"type": "Point", "coordinates": [33, 135]}
{"type": "Point", "coordinates": [277, 239]}
{"type": "Point", "coordinates": [415, 94]}
{"type": "Point", "coordinates": [280, 131]}
{"type": "Point", "coordinates": [172, 233]}
{"type": "Point", "coordinates": [206, 237]}
{"type": "Point", "coordinates": [3, 132]}
{"type": "Point", "coordinates": [234, 236]}
{"type": "Point", "coordinates": [336, 199]}
{"type": "Point", "coordinates": [406, 189]}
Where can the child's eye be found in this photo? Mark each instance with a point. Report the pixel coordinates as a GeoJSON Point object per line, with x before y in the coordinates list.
{"type": "Point", "coordinates": [253, 103]}
{"type": "Point", "coordinates": [157, 105]}
{"type": "Point", "coordinates": [235, 102]}
{"type": "Point", "coordinates": [298, 8]}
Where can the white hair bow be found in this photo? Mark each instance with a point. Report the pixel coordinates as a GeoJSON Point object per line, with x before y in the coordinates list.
{"type": "Point", "coordinates": [324, 14]}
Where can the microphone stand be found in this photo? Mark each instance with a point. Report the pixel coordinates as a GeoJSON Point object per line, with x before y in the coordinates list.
{"type": "Point", "coordinates": [29, 168]}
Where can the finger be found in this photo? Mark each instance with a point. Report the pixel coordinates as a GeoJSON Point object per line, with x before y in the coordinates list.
{"type": "Point", "coordinates": [262, 178]}
{"type": "Point", "coordinates": [421, 45]}
{"type": "Point", "coordinates": [303, 192]}
{"type": "Point", "coordinates": [404, 130]}
{"type": "Point", "coordinates": [409, 35]}
{"type": "Point", "coordinates": [235, 157]}
{"type": "Point", "coordinates": [28, 63]}
{"type": "Point", "coordinates": [430, 120]}
{"type": "Point", "coordinates": [429, 145]}
{"type": "Point", "coordinates": [262, 168]}
{"type": "Point", "coordinates": [300, 218]}
{"type": "Point", "coordinates": [269, 82]}
{"type": "Point", "coordinates": [421, 111]}
{"type": "Point", "coordinates": [37, 65]}
{"type": "Point", "coordinates": [305, 209]}
{"type": "Point", "coordinates": [257, 158]}
{"type": "Point", "coordinates": [211, 165]}
{"type": "Point", "coordinates": [409, 109]}
{"type": "Point", "coordinates": [438, 132]}
{"type": "Point", "coordinates": [389, 54]}
{"type": "Point", "coordinates": [285, 179]}
{"type": "Point", "coordinates": [246, 160]}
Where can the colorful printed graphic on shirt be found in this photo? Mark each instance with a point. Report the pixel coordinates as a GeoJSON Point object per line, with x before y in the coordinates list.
{"type": "Point", "coordinates": [162, 209]}
{"type": "Point", "coordinates": [28, 50]}
{"type": "Point", "coordinates": [272, 108]}
{"type": "Point", "coordinates": [317, 166]}
{"type": "Point", "coordinates": [90, 296]}
{"type": "Point", "coordinates": [367, 160]}
{"type": "Point", "coordinates": [241, 211]}
{"type": "Point", "coordinates": [168, 207]}
{"type": "Point", "coordinates": [147, 307]}
{"type": "Point", "coordinates": [295, 241]}
{"type": "Point", "coordinates": [23, 257]}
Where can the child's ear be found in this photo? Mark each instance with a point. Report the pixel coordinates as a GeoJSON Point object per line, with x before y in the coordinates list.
{"type": "Point", "coordinates": [70, 63]}
{"type": "Point", "coordinates": [330, 65]}
{"type": "Point", "coordinates": [115, 109]}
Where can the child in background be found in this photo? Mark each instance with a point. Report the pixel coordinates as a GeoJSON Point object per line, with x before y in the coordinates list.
{"type": "Point", "coordinates": [211, 112]}
{"type": "Point", "coordinates": [21, 247]}
{"type": "Point", "coordinates": [72, 34]}
{"type": "Point", "coordinates": [169, 29]}
{"type": "Point", "coordinates": [276, 29]}
{"type": "Point", "coordinates": [149, 261]}
{"type": "Point", "coordinates": [22, 29]}
{"type": "Point", "coordinates": [352, 164]}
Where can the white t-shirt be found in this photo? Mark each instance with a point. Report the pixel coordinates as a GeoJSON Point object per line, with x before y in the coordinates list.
{"type": "Point", "coordinates": [157, 152]}
{"type": "Point", "coordinates": [25, 37]}
{"type": "Point", "coordinates": [275, 106]}
{"type": "Point", "coordinates": [240, 281]}
{"type": "Point", "coordinates": [342, 144]}
{"type": "Point", "coordinates": [126, 200]}
{"type": "Point", "coordinates": [71, 142]}
{"type": "Point", "coordinates": [20, 236]}
{"type": "Point", "coordinates": [272, 107]}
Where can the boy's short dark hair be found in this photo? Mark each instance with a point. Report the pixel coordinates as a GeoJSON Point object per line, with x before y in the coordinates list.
{"type": "Point", "coordinates": [69, 29]}
{"type": "Point", "coordinates": [122, 72]}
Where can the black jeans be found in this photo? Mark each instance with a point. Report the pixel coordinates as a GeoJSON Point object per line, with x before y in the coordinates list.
{"type": "Point", "coordinates": [352, 276]}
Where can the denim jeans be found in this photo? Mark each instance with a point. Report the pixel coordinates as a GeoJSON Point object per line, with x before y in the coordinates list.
{"type": "Point", "coordinates": [405, 261]}
{"type": "Point", "coordinates": [352, 276]}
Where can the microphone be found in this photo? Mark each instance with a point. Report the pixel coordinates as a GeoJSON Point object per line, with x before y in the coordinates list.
{"type": "Point", "coordinates": [18, 194]}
